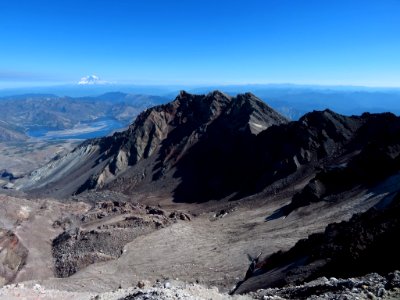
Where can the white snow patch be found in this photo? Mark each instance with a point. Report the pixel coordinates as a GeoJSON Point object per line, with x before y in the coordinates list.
{"type": "Point", "coordinates": [91, 80]}
{"type": "Point", "coordinates": [258, 125]}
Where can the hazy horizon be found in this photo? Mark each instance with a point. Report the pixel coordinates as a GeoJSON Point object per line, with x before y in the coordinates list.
{"type": "Point", "coordinates": [75, 90]}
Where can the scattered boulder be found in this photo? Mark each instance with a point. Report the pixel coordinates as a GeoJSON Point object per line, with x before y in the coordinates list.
{"type": "Point", "coordinates": [13, 255]}
{"type": "Point", "coordinates": [180, 215]}
{"type": "Point", "coordinates": [155, 211]}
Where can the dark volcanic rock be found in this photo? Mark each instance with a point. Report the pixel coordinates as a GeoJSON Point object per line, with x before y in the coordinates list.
{"type": "Point", "coordinates": [220, 162]}
{"type": "Point", "coordinates": [366, 287]}
{"type": "Point", "coordinates": [365, 243]}
{"type": "Point", "coordinates": [375, 155]}
{"type": "Point", "coordinates": [5, 174]}
{"type": "Point", "coordinates": [287, 151]}
{"type": "Point", "coordinates": [326, 140]}
{"type": "Point", "coordinates": [194, 132]}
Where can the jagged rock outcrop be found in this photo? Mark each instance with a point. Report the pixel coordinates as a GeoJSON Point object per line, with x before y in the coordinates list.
{"type": "Point", "coordinates": [173, 129]}
{"type": "Point", "coordinates": [320, 139]}
{"type": "Point", "coordinates": [370, 156]}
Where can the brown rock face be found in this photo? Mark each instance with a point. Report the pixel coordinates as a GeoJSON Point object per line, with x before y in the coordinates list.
{"type": "Point", "coordinates": [12, 256]}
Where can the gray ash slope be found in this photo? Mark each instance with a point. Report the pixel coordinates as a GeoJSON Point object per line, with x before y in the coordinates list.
{"type": "Point", "coordinates": [10, 133]}
{"type": "Point", "coordinates": [366, 243]}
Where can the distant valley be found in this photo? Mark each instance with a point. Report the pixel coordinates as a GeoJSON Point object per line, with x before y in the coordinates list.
{"type": "Point", "coordinates": [67, 118]}
{"type": "Point", "coordinates": [291, 100]}
{"type": "Point", "coordinates": [32, 124]}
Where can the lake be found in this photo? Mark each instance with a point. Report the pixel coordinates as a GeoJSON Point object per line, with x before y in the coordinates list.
{"type": "Point", "coordinates": [84, 130]}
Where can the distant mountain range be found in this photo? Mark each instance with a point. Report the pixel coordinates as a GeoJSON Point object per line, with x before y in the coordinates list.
{"type": "Point", "coordinates": [38, 114]}
{"type": "Point", "coordinates": [291, 100]}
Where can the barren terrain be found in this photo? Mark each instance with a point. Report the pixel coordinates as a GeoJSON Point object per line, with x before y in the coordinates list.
{"type": "Point", "coordinates": [194, 192]}
{"type": "Point", "coordinates": [210, 249]}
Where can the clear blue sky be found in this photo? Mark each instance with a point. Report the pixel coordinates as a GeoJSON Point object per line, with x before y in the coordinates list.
{"type": "Point", "coordinates": [201, 41]}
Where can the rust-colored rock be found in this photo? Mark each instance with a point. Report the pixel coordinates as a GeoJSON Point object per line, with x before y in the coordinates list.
{"type": "Point", "coordinates": [12, 256]}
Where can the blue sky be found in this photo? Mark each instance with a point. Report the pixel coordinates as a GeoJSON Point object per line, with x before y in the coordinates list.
{"type": "Point", "coordinates": [201, 42]}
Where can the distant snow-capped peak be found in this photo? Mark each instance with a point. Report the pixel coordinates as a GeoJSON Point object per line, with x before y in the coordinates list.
{"type": "Point", "coordinates": [91, 79]}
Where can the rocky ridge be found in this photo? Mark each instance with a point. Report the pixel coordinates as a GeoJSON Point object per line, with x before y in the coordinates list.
{"type": "Point", "coordinates": [171, 130]}
{"type": "Point", "coordinates": [160, 137]}
{"type": "Point", "coordinates": [222, 138]}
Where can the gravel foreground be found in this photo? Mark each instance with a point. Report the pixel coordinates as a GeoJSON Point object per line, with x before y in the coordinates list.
{"type": "Point", "coordinates": [371, 286]}
{"type": "Point", "coordinates": [160, 291]}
